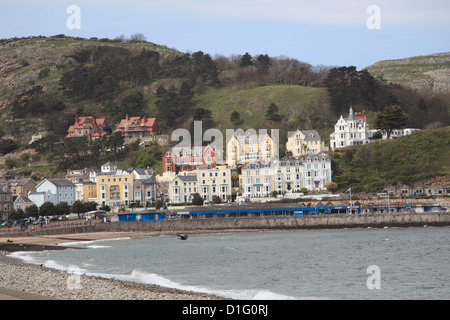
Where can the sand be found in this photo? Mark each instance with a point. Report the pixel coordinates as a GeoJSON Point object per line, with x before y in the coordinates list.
{"type": "Point", "coordinates": [24, 281]}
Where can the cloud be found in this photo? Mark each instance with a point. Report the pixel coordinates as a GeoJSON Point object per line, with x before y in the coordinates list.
{"type": "Point", "coordinates": [327, 12]}
{"type": "Point", "coordinates": [321, 12]}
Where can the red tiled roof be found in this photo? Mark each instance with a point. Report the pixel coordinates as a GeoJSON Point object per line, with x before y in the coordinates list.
{"type": "Point", "coordinates": [138, 121]}
{"type": "Point", "coordinates": [79, 121]}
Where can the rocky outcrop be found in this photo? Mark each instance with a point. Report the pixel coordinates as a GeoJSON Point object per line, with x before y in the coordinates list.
{"type": "Point", "coordinates": [430, 72]}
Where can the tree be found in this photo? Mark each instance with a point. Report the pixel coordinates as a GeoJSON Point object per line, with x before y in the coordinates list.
{"type": "Point", "coordinates": [62, 209]}
{"type": "Point", "coordinates": [106, 208]}
{"type": "Point", "coordinates": [136, 38]}
{"type": "Point", "coordinates": [392, 117]}
{"type": "Point", "coordinates": [47, 209]}
{"type": "Point", "coordinates": [90, 206]}
{"type": "Point", "coordinates": [246, 60]}
{"type": "Point", "coordinates": [78, 207]}
{"type": "Point", "coordinates": [148, 157]}
{"type": "Point", "coordinates": [17, 214]}
{"type": "Point", "coordinates": [115, 143]}
{"type": "Point", "coordinates": [272, 113]}
{"type": "Point", "coordinates": [217, 199]}
{"type": "Point", "coordinates": [133, 104]}
{"type": "Point", "coordinates": [7, 146]}
{"type": "Point", "coordinates": [159, 204]}
{"type": "Point", "coordinates": [32, 211]}
{"type": "Point", "coordinates": [263, 63]}
{"type": "Point", "coordinates": [197, 200]}
{"type": "Point", "coordinates": [331, 186]}
{"type": "Point", "coordinates": [235, 117]}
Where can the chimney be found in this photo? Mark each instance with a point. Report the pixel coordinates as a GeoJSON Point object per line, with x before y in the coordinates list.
{"type": "Point", "coordinates": [127, 118]}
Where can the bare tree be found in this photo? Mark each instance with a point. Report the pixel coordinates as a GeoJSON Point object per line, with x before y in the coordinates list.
{"type": "Point", "coordinates": [136, 38]}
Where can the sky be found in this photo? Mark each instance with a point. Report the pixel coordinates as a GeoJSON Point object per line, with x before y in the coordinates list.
{"type": "Point", "coordinates": [320, 32]}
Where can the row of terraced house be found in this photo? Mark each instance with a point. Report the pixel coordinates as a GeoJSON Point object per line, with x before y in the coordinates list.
{"type": "Point", "coordinates": [107, 185]}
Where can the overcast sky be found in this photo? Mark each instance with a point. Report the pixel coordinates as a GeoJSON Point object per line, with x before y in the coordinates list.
{"type": "Point", "coordinates": [327, 32]}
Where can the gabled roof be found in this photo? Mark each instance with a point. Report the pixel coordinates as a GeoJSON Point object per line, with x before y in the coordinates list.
{"type": "Point", "coordinates": [57, 182]}
{"type": "Point", "coordinates": [306, 133]}
{"type": "Point", "coordinates": [137, 121]}
{"type": "Point", "coordinates": [23, 199]}
{"type": "Point", "coordinates": [311, 135]}
{"type": "Point", "coordinates": [22, 182]}
{"type": "Point", "coordinates": [80, 121]}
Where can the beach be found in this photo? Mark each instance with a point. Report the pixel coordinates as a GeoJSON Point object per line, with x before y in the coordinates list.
{"type": "Point", "coordinates": [25, 281]}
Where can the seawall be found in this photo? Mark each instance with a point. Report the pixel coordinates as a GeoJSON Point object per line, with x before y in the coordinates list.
{"type": "Point", "coordinates": [255, 224]}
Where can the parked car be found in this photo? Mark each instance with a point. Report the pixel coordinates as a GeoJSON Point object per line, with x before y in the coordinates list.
{"type": "Point", "coordinates": [39, 221]}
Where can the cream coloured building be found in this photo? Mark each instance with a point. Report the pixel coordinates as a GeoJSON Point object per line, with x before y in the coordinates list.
{"type": "Point", "coordinates": [316, 171]}
{"type": "Point", "coordinates": [290, 175]}
{"type": "Point", "coordinates": [182, 188]}
{"type": "Point", "coordinates": [214, 182]}
{"type": "Point", "coordinates": [247, 148]}
{"type": "Point", "coordinates": [207, 182]}
{"type": "Point", "coordinates": [257, 180]}
{"type": "Point", "coordinates": [302, 142]}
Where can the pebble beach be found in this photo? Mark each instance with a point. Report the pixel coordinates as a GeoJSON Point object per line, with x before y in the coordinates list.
{"type": "Point", "coordinates": [21, 277]}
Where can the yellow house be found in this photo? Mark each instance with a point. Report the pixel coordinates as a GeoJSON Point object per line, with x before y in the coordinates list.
{"type": "Point", "coordinates": [115, 188]}
{"type": "Point", "coordinates": [303, 142]}
{"type": "Point", "coordinates": [85, 191]}
{"type": "Point", "coordinates": [246, 148]}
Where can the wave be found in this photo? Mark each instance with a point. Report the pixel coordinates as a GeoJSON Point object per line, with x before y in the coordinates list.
{"type": "Point", "coordinates": [87, 242]}
{"type": "Point", "coordinates": [98, 247]}
{"type": "Point", "coordinates": [23, 255]}
{"type": "Point", "coordinates": [238, 294]}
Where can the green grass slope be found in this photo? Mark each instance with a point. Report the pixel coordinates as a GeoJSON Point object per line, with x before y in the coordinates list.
{"type": "Point", "coordinates": [299, 107]}
{"type": "Point", "coordinates": [419, 157]}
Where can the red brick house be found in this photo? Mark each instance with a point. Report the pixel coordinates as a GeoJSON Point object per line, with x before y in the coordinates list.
{"type": "Point", "coordinates": [182, 159]}
{"type": "Point", "coordinates": [88, 127]}
{"type": "Point", "coordinates": [138, 128]}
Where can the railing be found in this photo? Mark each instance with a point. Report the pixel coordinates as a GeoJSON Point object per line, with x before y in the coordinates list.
{"type": "Point", "coordinates": [44, 226]}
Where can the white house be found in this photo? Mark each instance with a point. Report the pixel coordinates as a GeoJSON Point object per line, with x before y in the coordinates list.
{"type": "Point", "coordinates": [316, 171]}
{"type": "Point", "coordinates": [57, 190]}
{"type": "Point", "coordinates": [350, 131]}
{"type": "Point", "coordinates": [257, 180]}
{"type": "Point", "coordinates": [181, 188]}
{"type": "Point", "coordinates": [214, 182]}
{"type": "Point", "coordinates": [38, 198]}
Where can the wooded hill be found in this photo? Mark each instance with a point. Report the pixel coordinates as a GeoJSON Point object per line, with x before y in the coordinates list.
{"type": "Point", "coordinates": [47, 81]}
{"type": "Point", "coordinates": [418, 158]}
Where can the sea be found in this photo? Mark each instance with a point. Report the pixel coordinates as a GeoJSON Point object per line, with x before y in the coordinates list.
{"type": "Point", "coordinates": [338, 264]}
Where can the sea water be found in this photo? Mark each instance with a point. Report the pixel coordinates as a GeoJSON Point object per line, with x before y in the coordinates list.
{"type": "Point", "coordinates": [389, 263]}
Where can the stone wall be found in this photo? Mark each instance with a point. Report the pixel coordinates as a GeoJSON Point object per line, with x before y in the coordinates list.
{"type": "Point", "coordinates": [280, 223]}
{"type": "Point", "coordinates": [251, 224]}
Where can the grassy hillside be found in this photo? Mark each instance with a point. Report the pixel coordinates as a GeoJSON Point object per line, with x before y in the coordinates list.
{"type": "Point", "coordinates": [299, 107]}
{"type": "Point", "coordinates": [419, 157]}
